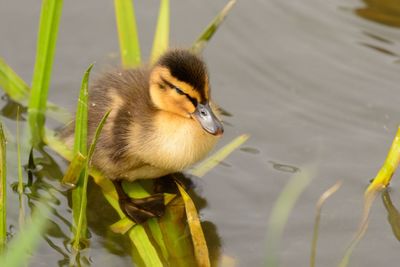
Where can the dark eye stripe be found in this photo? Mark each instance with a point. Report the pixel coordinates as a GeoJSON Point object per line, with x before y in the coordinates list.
{"type": "Point", "coordinates": [167, 83]}
{"type": "Point", "coordinates": [179, 91]}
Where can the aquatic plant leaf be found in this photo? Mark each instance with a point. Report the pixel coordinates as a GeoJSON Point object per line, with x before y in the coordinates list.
{"type": "Point", "coordinates": [12, 84]}
{"type": "Point", "coordinates": [80, 138]}
{"type": "Point", "coordinates": [208, 33]}
{"type": "Point", "coordinates": [20, 189]}
{"type": "Point", "coordinates": [127, 33]}
{"type": "Point", "coordinates": [16, 88]}
{"type": "Point", "coordinates": [21, 246]}
{"type": "Point", "coordinates": [281, 211]}
{"type": "Point", "coordinates": [212, 161]}
{"type": "Point", "coordinates": [176, 235]}
{"type": "Point", "coordinates": [393, 214]}
{"type": "Point", "coordinates": [47, 36]}
{"type": "Point", "coordinates": [199, 242]}
{"type": "Point", "coordinates": [161, 37]}
{"type": "Point", "coordinates": [82, 210]}
{"type": "Point", "coordinates": [80, 146]}
{"type": "Point", "coordinates": [174, 240]}
{"type": "Point", "coordinates": [122, 226]}
{"type": "Point", "coordinates": [3, 190]}
{"type": "Point", "coordinates": [381, 181]}
{"type": "Point", "coordinates": [74, 170]}
{"type": "Point", "coordinates": [390, 165]}
{"type": "Point", "coordinates": [362, 228]}
{"type": "Point", "coordinates": [327, 194]}
{"type": "Point", "coordinates": [146, 250]}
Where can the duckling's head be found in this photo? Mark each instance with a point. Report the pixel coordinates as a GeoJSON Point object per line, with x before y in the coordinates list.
{"type": "Point", "coordinates": [179, 84]}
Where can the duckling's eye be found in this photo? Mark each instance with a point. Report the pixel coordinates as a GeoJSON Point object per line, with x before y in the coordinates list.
{"type": "Point", "coordinates": [179, 91]}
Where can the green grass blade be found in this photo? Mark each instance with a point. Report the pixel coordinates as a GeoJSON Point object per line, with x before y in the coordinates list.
{"type": "Point", "coordinates": [212, 161]}
{"type": "Point", "coordinates": [328, 193]}
{"type": "Point", "coordinates": [206, 35]}
{"type": "Point", "coordinates": [12, 84]}
{"type": "Point", "coordinates": [281, 211]}
{"type": "Point", "coordinates": [82, 210]}
{"type": "Point", "coordinates": [3, 190]}
{"type": "Point", "coordinates": [80, 146]}
{"type": "Point", "coordinates": [144, 246]}
{"type": "Point", "coordinates": [20, 248]}
{"type": "Point", "coordinates": [80, 141]}
{"type": "Point", "coordinates": [161, 37]}
{"type": "Point", "coordinates": [127, 33]}
{"type": "Point", "coordinates": [46, 43]}
{"type": "Point", "coordinates": [21, 219]}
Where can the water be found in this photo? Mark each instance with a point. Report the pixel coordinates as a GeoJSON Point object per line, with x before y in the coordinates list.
{"type": "Point", "coordinates": [312, 82]}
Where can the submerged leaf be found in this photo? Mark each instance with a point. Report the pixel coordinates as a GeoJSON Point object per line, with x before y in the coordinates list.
{"type": "Point", "coordinates": [328, 193]}
{"type": "Point", "coordinates": [281, 211]}
{"type": "Point", "coordinates": [362, 228]}
{"type": "Point", "coordinates": [21, 216]}
{"type": "Point", "coordinates": [3, 190]}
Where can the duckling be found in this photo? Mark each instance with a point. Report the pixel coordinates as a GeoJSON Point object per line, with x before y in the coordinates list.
{"type": "Point", "coordinates": [162, 120]}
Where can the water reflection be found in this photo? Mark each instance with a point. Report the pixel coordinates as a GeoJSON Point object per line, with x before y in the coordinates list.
{"type": "Point", "coordinates": [382, 11]}
{"type": "Point", "coordinates": [393, 214]}
{"type": "Point", "coordinates": [100, 215]}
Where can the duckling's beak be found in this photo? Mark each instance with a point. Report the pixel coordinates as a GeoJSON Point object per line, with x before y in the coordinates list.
{"type": "Point", "coordinates": [207, 119]}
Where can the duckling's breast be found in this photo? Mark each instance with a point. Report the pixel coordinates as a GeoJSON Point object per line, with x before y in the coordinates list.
{"type": "Point", "coordinates": [174, 142]}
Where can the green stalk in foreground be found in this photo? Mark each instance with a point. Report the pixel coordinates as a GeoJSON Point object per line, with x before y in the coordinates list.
{"type": "Point", "coordinates": [21, 246]}
{"type": "Point", "coordinates": [80, 146]}
{"type": "Point", "coordinates": [127, 33]}
{"type": "Point", "coordinates": [47, 36]}
{"type": "Point", "coordinates": [161, 37]}
{"type": "Point", "coordinates": [82, 210]}
{"type": "Point", "coordinates": [3, 190]}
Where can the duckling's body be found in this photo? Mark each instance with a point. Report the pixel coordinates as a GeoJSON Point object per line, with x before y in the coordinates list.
{"type": "Point", "coordinates": [160, 120]}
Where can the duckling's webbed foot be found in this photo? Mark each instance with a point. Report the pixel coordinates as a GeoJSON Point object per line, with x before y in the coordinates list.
{"type": "Point", "coordinates": [140, 209]}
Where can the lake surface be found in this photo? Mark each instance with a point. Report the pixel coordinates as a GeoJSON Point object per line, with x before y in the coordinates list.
{"type": "Point", "coordinates": [313, 83]}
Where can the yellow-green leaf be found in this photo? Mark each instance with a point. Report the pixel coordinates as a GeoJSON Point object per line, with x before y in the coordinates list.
{"type": "Point", "coordinates": [212, 161]}
{"type": "Point", "coordinates": [199, 242]}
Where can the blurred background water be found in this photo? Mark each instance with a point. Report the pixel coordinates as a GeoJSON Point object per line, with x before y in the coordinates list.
{"type": "Point", "coordinates": [312, 82]}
